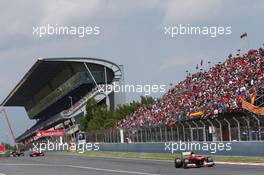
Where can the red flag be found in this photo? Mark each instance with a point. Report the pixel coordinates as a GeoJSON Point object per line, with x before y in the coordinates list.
{"type": "Point", "coordinates": [243, 35]}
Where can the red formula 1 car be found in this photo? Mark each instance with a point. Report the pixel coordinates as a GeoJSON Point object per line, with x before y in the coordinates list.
{"type": "Point", "coordinates": [36, 154]}
{"type": "Point", "coordinates": [16, 154]}
{"type": "Point", "coordinates": [190, 160]}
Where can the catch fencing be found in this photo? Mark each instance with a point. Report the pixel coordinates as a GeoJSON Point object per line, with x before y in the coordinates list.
{"type": "Point", "coordinates": [227, 128]}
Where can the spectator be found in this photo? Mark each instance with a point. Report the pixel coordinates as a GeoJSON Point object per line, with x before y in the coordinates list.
{"type": "Point", "coordinates": [211, 92]}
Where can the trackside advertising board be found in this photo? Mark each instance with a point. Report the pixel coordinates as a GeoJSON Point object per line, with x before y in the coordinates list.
{"type": "Point", "coordinates": [49, 133]}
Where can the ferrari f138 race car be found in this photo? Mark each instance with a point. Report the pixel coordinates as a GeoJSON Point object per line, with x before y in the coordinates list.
{"type": "Point", "coordinates": [16, 153]}
{"type": "Point", "coordinates": [191, 160]}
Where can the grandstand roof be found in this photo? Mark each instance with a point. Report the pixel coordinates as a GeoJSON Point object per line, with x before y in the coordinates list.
{"type": "Point", "coordinates": [43, 71]}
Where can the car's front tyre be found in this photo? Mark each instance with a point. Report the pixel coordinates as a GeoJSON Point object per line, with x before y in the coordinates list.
{"type": "Point", "coordinates": [210, 161]}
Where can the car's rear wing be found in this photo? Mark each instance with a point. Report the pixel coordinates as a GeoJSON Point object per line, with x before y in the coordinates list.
{"type": "Point", "coordinates": [186, 153]}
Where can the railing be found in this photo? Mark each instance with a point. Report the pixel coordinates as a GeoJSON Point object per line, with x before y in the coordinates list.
{"type": "Point", "coordinates": [246, 128]}
{"type": "Point", "coordinates": [61, 91]}
{"type": "Point", "coordinates": [80, 103]}
{"type": "Point", "coordinates": [67, 113]}
{"type": "Point", "coordinates": [72, 129]}
{"type": "Point", "coordinates": [101, 89]}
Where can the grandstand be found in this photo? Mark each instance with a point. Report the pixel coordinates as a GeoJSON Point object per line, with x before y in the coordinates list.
{"type": "Point", "coordinates": [223, 103]}
{"type": "Point", "coordinates": [55, 90]}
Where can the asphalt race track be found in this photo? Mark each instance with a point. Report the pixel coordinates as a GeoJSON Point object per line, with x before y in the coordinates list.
{"type": "Point", "coordinates": [78, 165]}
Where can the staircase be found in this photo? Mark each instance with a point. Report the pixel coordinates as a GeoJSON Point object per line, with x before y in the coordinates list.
{"type": "Point", "coordinates": [98, 93]}
{"type": "Point", "coordinates": [72, 129]}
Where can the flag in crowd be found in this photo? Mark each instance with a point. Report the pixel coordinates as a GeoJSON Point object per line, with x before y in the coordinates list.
{"type": "Point", "coordinates": [243, 35]}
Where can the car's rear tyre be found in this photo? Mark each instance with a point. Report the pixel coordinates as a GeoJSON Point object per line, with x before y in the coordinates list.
{"type": "Point", "coordinates": [178, 163]}
{"type": "Point", "coordinates": [199, 164]}
{"type": "Point", "coordinates": [185, 163]}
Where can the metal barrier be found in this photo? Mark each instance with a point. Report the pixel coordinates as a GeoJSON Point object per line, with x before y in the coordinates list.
{"type": "Point", "coordinates": [232, 128]}
{"type": "Point", "coordinates": [233, 149]}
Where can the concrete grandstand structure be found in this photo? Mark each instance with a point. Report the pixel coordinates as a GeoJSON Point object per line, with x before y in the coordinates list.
{"type": "Point", "coordinates": [55, 90]}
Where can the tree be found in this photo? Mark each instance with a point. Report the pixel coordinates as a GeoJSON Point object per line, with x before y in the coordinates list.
{"type": "Point", "coordinates": [99, 118]}
{"type": "Point", "coordinates": [91, 107]}
{"type": "Point", "coordinates": [146, 100]}
{"type": "Point", "coordinates": [83, 123]}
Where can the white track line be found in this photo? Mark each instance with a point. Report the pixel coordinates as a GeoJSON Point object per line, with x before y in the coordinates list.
{"type": "Point", "coordinates": [81, 167]}
{"type": "Point", "coordinates": [153, 160]}
{"type": "Point", "coordinates": [110, 170]}
{"type": "Point", "coordinates": [240, 163]}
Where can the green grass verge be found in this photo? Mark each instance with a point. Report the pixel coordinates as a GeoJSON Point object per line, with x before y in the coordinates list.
{"type": "Point", "coordinates": [158, 156]}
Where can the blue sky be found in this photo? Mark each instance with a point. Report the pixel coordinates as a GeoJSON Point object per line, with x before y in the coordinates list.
{"type": "Point", "coordinates": [132, 34]}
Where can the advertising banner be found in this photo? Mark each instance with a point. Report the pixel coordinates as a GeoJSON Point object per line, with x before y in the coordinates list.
{"type": "Point", "coordinates": [49, 133]}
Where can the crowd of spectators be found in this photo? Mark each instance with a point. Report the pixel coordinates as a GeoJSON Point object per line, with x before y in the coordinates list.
{"type": "Point", "coordinates": [210, 92]}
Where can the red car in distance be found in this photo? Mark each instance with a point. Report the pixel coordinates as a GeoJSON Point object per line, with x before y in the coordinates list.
{"type": "Point", "coordinates": [16, 153]}
{"type": "Point", "coordinates": [36, 154]}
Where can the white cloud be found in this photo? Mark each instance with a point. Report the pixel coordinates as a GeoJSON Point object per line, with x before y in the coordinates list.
{"type": "Point", "coordinates": [179, 60]}
{"type": "Point", "coordinates": [62, 11]}
{"type": "Point", "coordinates": [25, 15]}
{"type": "Point", "coordinates": [176, 61]}
{"type": "Point", "coordinates": [192, 11]}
